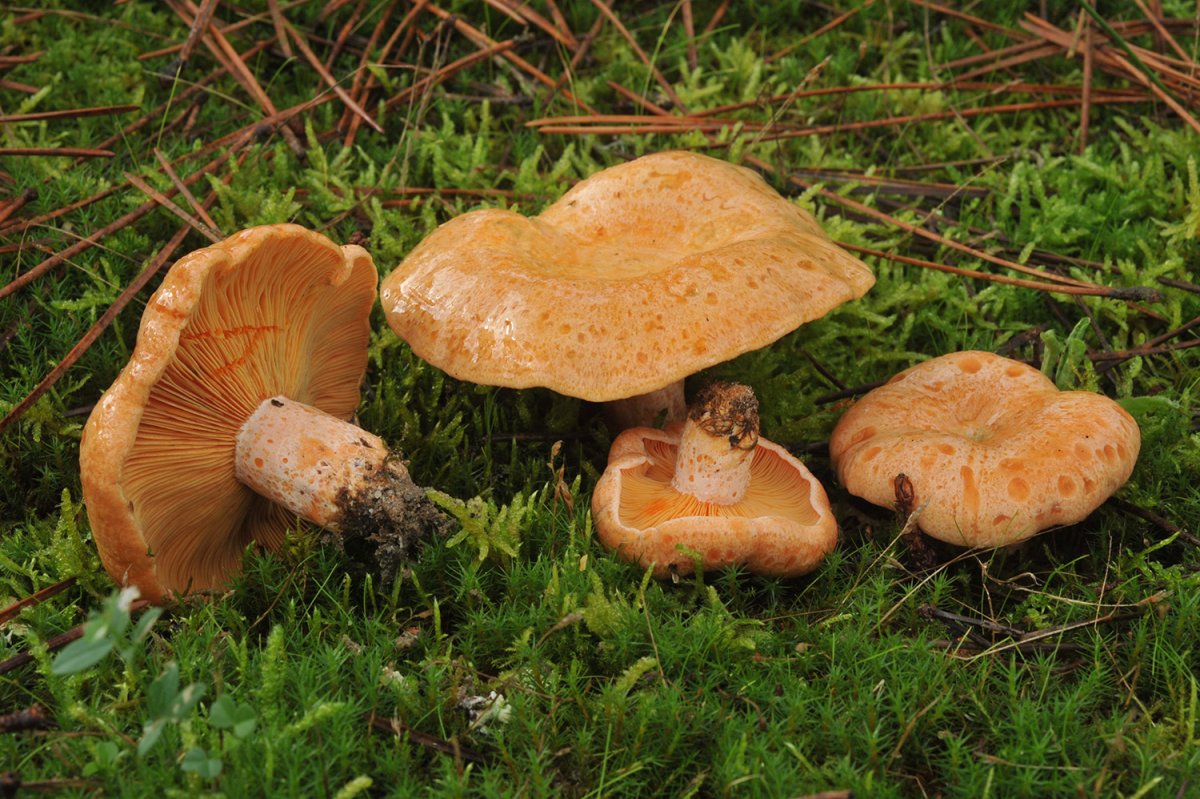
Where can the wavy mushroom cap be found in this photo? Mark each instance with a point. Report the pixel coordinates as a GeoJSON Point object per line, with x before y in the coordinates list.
{"type": "Point", "coordinates": [783, 526]}
{"type": "Point", "coordinates": [993, 450]}
{"type": "Point", "coordinates": [639, 276]}
{"type": "Point", "coordinates": [271, 310]}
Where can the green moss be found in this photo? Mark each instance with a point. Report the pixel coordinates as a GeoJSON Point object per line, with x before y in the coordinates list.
{"type": "Point", "coordinates": [616, 685]}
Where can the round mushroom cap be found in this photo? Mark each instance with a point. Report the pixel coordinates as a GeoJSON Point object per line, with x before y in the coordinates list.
{"type": "Point", "coordinates": [271, 310]}
{"type": "Point", "coordinates": [638, 276]}
{"type": "Point", "coordinates": [993, 450]}
{"type": "Point", "coordinates": [783, 526]}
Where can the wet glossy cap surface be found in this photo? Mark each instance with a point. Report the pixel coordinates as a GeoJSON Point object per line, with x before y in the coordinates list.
{"type": "Point", "coordinates": [637, 277]}
{"type": "Point", "coordinates": [993, 450]}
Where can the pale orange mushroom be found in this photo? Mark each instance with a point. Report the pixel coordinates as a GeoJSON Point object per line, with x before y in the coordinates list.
{"type": "Point", "coordinates": [993, 451]}
{"type": "Point", "coordinates": [637, 277]}
{"type": "Point", "coordinates": [712, 486]}
{"type": "Point", "coordinates": [231, 416]}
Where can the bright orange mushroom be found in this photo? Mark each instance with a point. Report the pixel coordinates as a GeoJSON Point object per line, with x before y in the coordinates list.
{"type": "Point", "coordinates": [993, 451]}
{"type": "Point", "coordinates": [637, 277]}
{"type": "Point", "coordinates": [230, 418]}
{"type": "Point", "coordinates": [712, 486]}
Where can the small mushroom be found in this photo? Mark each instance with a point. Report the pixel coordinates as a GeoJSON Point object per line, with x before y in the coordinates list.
{"type": "Point", "coordinates": [712, 486]}
{"type": "Point", "coordinates": [992, 451]}
{"type": "Point", "coordinates": [230, 417]}
{"type": "Point", "coordinates": [637, 277]}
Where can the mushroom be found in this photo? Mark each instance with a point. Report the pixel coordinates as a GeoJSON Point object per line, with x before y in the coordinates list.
{"type": "Point", "coordinates": [993, 451]}
{"type": "Point", "coordinates": [230, 417]}
{"type": "Point", "coordinates": [637, 277]}
{"type": "Point", "coordinates": [714, 487]}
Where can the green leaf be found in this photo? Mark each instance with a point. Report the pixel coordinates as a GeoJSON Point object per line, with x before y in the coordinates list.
{"type": "Point", "coordinates": [244, 721]}
{"type": "Point", "coordinates": [226, 714]}
{"type": "Point", "coordinates": [187, 699]}
{"type": "Point", "coordinates": [198, 762]}
{"type": "Point", "coordinates": [151, 732]}
{"type": "Point", "coordinates": [82, 654]}
{"type": "Point", "coordinates": [163, 691]}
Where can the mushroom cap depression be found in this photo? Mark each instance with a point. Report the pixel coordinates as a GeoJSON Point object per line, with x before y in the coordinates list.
{"type": "Point", "coordinates": [637, 277]}
{"type": "Point", "coordinates": [271, 310]}
{"type": "Point", "coordinates": [783, 526]}
{"type": "Point", "coordinates": [993, 450]}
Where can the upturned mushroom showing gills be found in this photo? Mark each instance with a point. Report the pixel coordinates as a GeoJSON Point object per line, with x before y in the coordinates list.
{"type": "Point", "coordinates": [230, 418]}
{"type": "Point", "coordinates": [993, 451]}
{"type": "Point", "coordinates": [637, 277]}
{"type": "Point", "coordinates": [712, 486]}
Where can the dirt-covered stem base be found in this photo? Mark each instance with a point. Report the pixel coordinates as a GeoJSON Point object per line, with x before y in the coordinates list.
{"type": "Point", "coordinates": [332, 473]}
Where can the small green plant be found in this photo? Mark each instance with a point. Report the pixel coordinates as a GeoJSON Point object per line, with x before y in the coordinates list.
{"type": "Point", "coordinates": [493, 530]}
{"type": "Point", "coordinates": [105, 631]}
{"type": "Point", "coordinates": [111, 629]}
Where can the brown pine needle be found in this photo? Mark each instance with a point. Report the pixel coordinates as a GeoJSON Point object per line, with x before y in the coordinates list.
{"type": "Point", "coordinates": [1141, 73]}
{"type": "Point", "coordinates": [613, 124]}
{"type": "Point", "coordinates": [41, 219]}
{"type": "Point", "coordinates": [232, 27]}
{"type": "Point", "coordinates": [362, 73]}
{"type": "Point", "coordinates": [641, 54]}
{"type": "Point", "coordinates": [1164, 33]}
{"type": "Point", "coordinates": [577, 56]}
{"type": "Point", "coordinates": [302, 43]}
{"type": "Point", "coordinates": [12, 611]}
{"type": "Point", "coordinates": [821, 31]}
{"type": "Point", "coordinates": [483, 41]}
{"type": "Point", "coordinates": [689, 30]}
{"type": "Point", "coordinates": [280, 34]}
{"type": "Point", "coordinates": [991, 55]}
{"type": "Point", "coordinates": [101, 324]}
{"type": "Point", "coordinates": [85, 243]}
{"type": "Point", "coordinates": [978, 22]}
{"type": "Point", "coordinates": [371, 81]}
{"type": "Point", "coordinates": [716, 18]}
{"type": "Point", "coordinates": [7, 61]}
{"type": "Point", "coordinates": [1030, 54]}
{"type": "Point", "coordinates": [917, 230]}
{"type": "Point", "coordinates": [528, 15]}
{"type": "Point", "coordinates": [637, 99]}
{"type": "Point", "coordinates": [504, 9]}
{"type": "Point", "coordinates": [158, 197]}
{"type": "Point", "coordinates": [198, 29]}
{"type": "Point", "coordinates": [17, 86]}
{"type": "Point", "coordinates": [343, 34]}
{"type": "Point", "coordinates": [17, 203]}
{"type": "Point", "coordinates": [74, 113]}
{"type": "Point", "coordinates": [1039, 285]}
{"type": "Point", "coordinates": [1085, 111]}
{"type": "Point", "coordinates": [448, 71]}
{"type": "Point", "coordinates": [227, 54]}
{"type": "Point", "coordinates": [78, 152]}
{"type": "Point", "coordinates": [560, 22]}
{"type": "Point", "coordinates": [183, 189]}
{"type": "Point", "coordinates": [53, 644]}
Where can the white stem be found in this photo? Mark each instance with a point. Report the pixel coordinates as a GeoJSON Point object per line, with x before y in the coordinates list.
{"type": "Point", "coordinates": [306, 460]}
{"type": "Point", "coordinates": [644, 409]}
{"type": "Point", "coordinates": [716, 445]}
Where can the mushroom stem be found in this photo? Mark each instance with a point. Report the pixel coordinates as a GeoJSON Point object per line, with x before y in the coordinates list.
{"type": "Point", "coordinates": [644, 409]}
{"type": "Point", "coordinates": [314, 464]}
{"type": "Point", "coordinates": [717, 443]}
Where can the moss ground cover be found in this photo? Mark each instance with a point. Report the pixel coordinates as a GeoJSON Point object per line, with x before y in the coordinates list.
{"type": "Point", "coordinates": [516, 657]}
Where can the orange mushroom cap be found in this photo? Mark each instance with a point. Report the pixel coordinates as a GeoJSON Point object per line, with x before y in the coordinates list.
{"type": "Point", "coordinates": [637, 277]}
{"type": "Point", "coordinates": [993, 450]}
{"type": "Point", "coordinates": [781, 525]}
{"type": "Point", "coordinates": [273, 310]}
